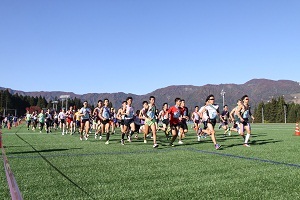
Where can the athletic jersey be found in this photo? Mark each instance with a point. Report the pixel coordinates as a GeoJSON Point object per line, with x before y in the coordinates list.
{"type": "Point", "coordinates": [41, 117]}
{"type": "Point", "coordinates": [151, 112]}
{"type": "Point", "coordinates": [48, 116]}
{"type": "Point", "coordinates": [61, 115]}
{"type": "Point", "coordinates": [225, 114]}
{"type": "Point", "coordinates": [28, 117]}
{"type": "Point", "coordinates": [204, 113]}
{"type": "Point", "coordinates": [129, 112]}
{"type": "Point", "coordinates": [70, 114]}
{"type": "Point", "coordinates": [164, 114]}
{"type": "Point", "coordinates": [86, 113]}
{"type": "Point", "coordinates": [213, 110]}
{"type": "Point", "coordinates": [97, 111]}
{"type": "Point", "coordinates": [105, 112]}
{"type": "Point", "coordinates": [196, 116]}
{"type": "Point", "coordinates": [246, 113]}
{"type": "Point", "coordinates": [184, 111]}
{"type": "Point", "coordinates": [175, 113]}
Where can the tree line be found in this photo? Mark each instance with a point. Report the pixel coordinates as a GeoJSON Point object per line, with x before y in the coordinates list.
{"type": "Point", "coordinates": [274, 111]}
{"type": "Point", "coordinates": [9, 103]}
{"type": "Point", "coordinates": [277, 111]}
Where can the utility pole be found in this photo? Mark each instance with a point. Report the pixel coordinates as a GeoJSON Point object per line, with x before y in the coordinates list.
{"type": "Point", "coordinates": [223, 96]}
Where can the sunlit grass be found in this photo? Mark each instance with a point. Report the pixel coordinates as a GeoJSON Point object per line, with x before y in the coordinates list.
{"type": "Point", "coordinates": [63, 167]}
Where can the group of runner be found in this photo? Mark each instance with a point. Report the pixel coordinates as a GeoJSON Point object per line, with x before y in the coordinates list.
{"type": "Point", "coordinates": [104, 119]}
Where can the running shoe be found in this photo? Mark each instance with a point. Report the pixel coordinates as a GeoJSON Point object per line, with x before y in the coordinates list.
{"type": "Point", "coordinates": [199, 138]}
{"type": "Point", "coordinates": [155, 145]}
{"type": "Point", "coordinates": [122, 142]}
{"type": "Point", "coordinates": [217, 146]}
{"type": "Point", "coordinates": [180, 142]}
{"type": "Point", "coordinates": [107, 142]}
{"type": "Point", "coordinates": [246, 145]}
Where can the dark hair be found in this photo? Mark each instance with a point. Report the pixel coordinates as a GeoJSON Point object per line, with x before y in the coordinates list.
{"type": "Point", "coordinates": [145, 102]}
{"type": "Point", "coordinates": [151, 97]}
{"type": "Point", "coordinates": [177, 99]}
{"type": "Point", "coordinates": [106, 99]}
{"type": "Point", "coordinates": [243, 97]}
{"type": "Point", "coordinates": [208, 97]}
{"type": "Point", "coordinates": [196, 106]}
{"type": "Point", "coordinates": [182, 100]}
{"type": "Point", "coordinates": [128, 98]}
{"type": "Point", "coordinates": [99, 100]}
{"type": "Point", "coordinates": [225, 105]}
{"type": "Point", "coordinates": [124, 102]}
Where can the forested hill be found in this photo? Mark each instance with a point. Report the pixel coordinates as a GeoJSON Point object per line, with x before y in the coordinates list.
{"type": "Point", "coordinates": [258, 90]}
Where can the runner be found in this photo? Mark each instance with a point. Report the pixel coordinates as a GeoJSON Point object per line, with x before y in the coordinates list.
{"type": "Point", "coordinates": [70, 118]}
{"type": "Point", "coordinates": [85, 114]}
{"type": "Point", "coordinates": [128, 120]}
{"type": "Point", "coordinates": [196, 119]}
{"type": "Point", "coordinates": [183, 126]}
{"type": "Point", "coordinates": [105, 116]}
{"type": "Point", "coordinates": [97, 119]}
{"type": "Point", "coordinates": [224, 120]}
{"type": "Point", "coordinates": [62, 120]}
{"type": "Point", "coordinates": [164, 117]}
{"type": "Point", "coordinates": [150, 120]}
{"type": "Point", "coordinates": [120, 117]}
{"type": "Point", "coordinates": [175, 117]}
{"type": "Point", "coordinates": [41, 119]}
{"type": "Point", "coordinates": [212, 113]}
{"type": "Point", "coordinates": [244, 112]}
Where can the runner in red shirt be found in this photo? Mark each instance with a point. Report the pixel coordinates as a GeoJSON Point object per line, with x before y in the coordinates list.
{"type": "Point", "coordinates": [175, 117]}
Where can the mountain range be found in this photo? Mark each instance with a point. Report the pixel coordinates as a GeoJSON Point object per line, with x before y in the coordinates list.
{"type": "Point", "coordinates": [257, 89]}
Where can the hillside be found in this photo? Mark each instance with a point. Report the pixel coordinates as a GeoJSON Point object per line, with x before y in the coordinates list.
{"type": "Point", "coordinates": [258, 90]}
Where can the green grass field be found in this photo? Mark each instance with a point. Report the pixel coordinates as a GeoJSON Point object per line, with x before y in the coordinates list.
{"type": "Point", "coordinates": [63, 167]}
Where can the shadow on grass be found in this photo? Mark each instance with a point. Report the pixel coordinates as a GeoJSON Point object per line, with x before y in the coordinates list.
{"type": "Point", "coordinates": [40, 151]}
{"type": "Point", "coordinates": [255, 142]}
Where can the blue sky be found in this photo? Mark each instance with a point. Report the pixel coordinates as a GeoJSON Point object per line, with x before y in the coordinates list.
{"type": "Point", "coordinates": [138, 46]}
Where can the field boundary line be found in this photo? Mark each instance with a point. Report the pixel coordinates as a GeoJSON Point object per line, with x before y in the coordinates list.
{"type": "Point", "coordinates": [244, 157]}
{"type": "Point", "coordinates": [12, 183]}
{"type": "Point", "coordinates": [54, 167]}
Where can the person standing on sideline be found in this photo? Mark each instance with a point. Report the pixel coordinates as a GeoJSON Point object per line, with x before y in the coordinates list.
{"type": "Point", "coordinates": [244, 112]}
{"type": "Point", "coordinates": [212, 110]}
{"type": "Point", "coordinates": [175, 118]}
{"type": "Point", "coordinates": [150, 120]}
{"type": "Point", "coordinates": [85, 114]}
